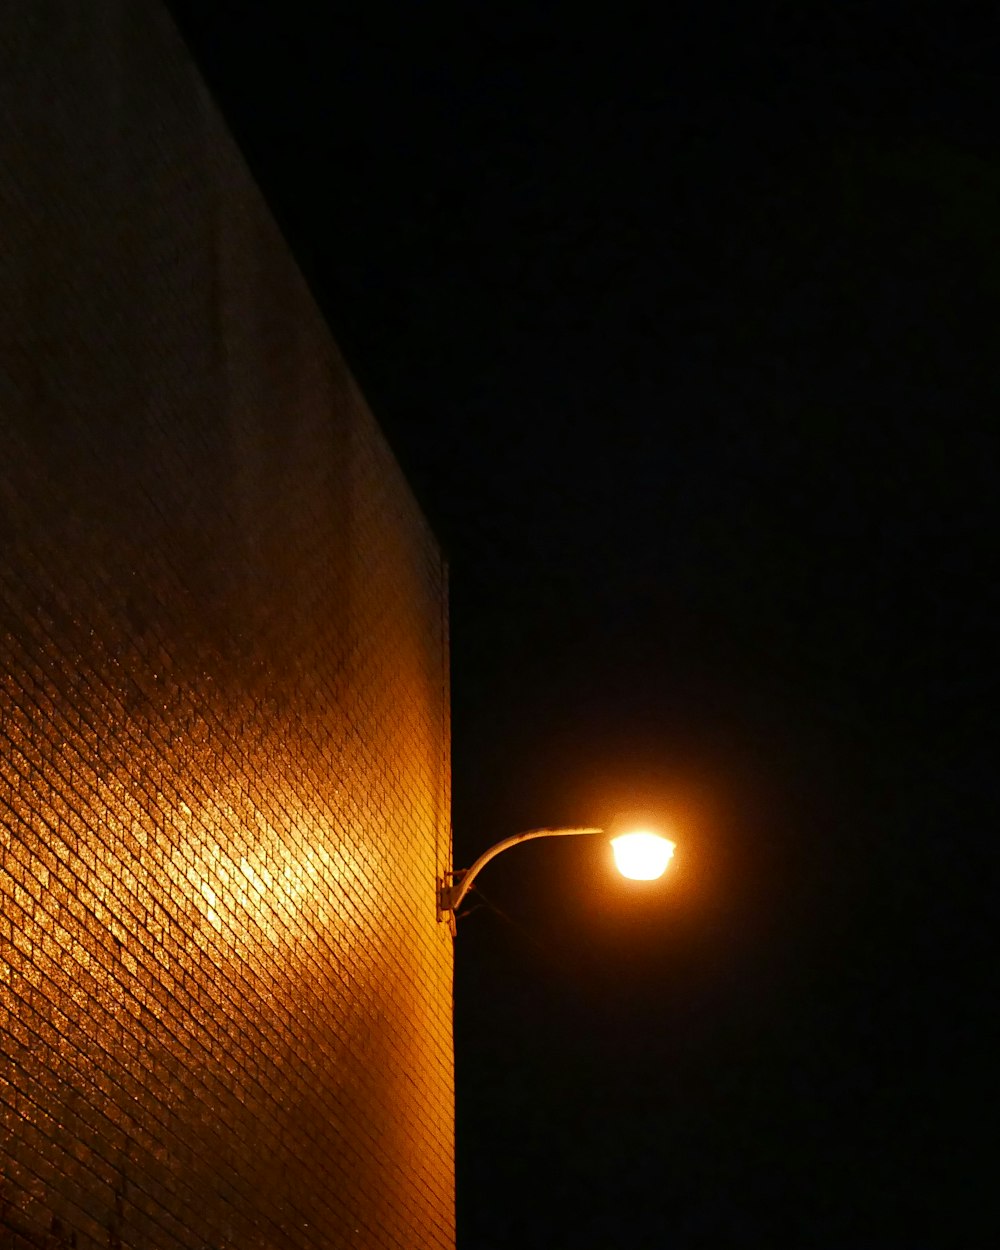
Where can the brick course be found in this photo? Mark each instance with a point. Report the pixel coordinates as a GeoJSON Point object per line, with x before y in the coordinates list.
{"type": "Point", "coordinates": [225, 1004]}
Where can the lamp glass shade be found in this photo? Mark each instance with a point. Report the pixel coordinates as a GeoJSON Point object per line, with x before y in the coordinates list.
{"type": "Point", "coordinates": [642, 856]}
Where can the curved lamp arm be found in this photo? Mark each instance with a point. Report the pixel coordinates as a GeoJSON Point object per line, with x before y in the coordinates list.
{"type": "Point", "coordinates": [452, 892]}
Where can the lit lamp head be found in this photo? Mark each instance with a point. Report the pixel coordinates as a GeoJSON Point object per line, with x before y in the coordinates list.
{"type": "Point", "coordinates": [642, 856]}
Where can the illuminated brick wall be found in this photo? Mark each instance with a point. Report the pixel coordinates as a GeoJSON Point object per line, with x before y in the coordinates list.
{"type": "Point", "coordinates": [225, 1006]}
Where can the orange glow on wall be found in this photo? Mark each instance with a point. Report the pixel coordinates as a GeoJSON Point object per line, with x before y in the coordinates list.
{"type": "Point", "coordinates": [225, 998]}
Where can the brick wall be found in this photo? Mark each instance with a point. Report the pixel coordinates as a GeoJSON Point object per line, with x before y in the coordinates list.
{"type": "Point", "coordinates": [225, 1006]}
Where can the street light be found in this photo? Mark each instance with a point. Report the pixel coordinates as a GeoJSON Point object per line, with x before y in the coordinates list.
{"type": "Point", "coordinates": [642, 856]}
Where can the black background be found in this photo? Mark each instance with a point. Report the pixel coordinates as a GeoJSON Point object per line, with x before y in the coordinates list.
{"type": "Point", "coordinates": [685, 330]}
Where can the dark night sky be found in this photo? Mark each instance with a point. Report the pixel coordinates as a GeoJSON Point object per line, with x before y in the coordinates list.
{"type": "Point", "coordinates": [685, 330]}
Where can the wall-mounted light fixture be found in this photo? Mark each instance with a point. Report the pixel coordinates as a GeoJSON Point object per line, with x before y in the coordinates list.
{"type": "Point", "coordinates": [641, 855]}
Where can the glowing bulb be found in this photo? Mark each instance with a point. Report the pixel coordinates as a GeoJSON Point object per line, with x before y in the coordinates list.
{"type": "Point", "coordinates": [642, 856]}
